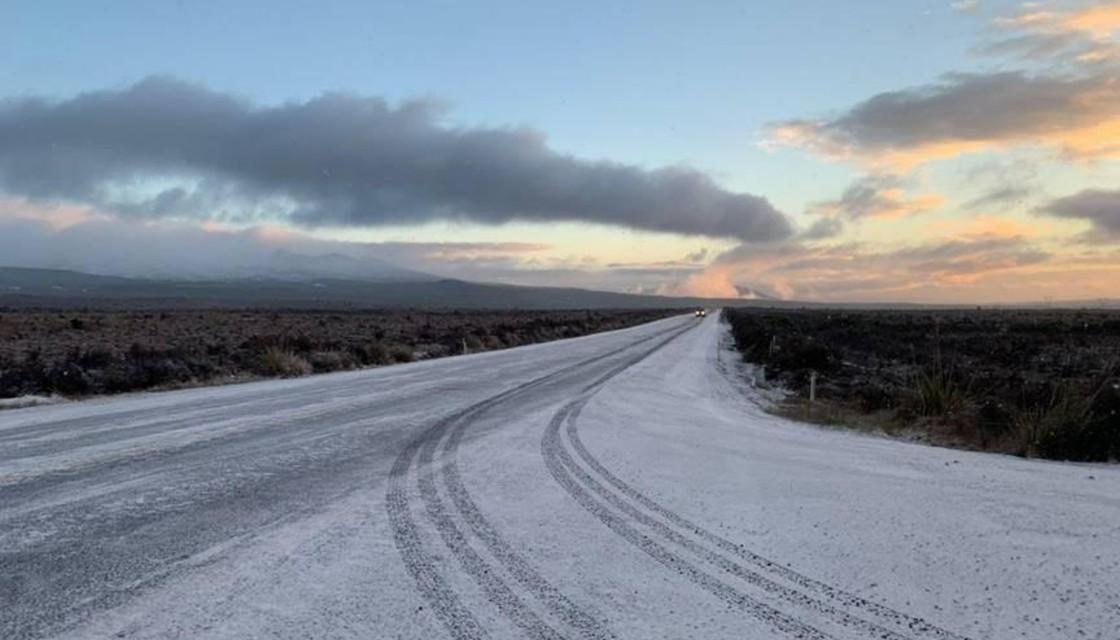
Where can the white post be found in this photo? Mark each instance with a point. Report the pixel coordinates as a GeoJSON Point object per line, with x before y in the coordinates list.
{"type": "Point", "coordinates": [812, 387]}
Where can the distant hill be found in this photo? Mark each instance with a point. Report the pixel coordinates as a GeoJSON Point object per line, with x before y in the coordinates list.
{"type": "Point", "coordinates": [21, 287]}
{"type": "Point", "coordinates": [301, 289]}
{"type": "Point", "coordinates": [289, 265]}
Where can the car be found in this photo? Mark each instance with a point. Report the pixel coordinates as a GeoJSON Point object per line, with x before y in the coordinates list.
{"type": "Point", "coordinates": [700, 313]}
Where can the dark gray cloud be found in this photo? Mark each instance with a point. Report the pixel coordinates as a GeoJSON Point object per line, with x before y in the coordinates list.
{"type": "Point", "coordinates": [1070, 36]}
{"type": "Point", "coordinates": [865, 197]}
{"type": "Point", "coordinates": [1099, 207]}
{"type": "Point", "coordinates": [697, 256]}
{"type": "Point", "coordinates": [690, 261]}
{"type": "Point", "coordinates": [1001, 198]}
{"type": "Point", "coordinates": [341, 160]}
{"type": "Point", "coordinates": [963, 108]}
{"type": "Point", "coordinates": [1003, 185]}
{"type": "Point", "coordinates": [1037, 46]}
{"type": "Point", "coordinates": [874, 195]}
{"type": "Point", "coordinates": [776, 253]}
{"type": "Point", "coordinates": [971, 256]}
{"type": "Point", "coordinates": [822, 228]}
{"type": "Point", "coordinates": [930, 260]}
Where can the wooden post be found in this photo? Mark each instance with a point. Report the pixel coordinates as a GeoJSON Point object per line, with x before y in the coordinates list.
{"type": "Point", "coordinates": [812, 387]}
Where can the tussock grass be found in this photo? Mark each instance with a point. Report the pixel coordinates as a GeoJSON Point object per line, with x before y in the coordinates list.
{"type": "Point", "coordinates": [937, 394]}
{"type": "Point", "coordinates": [282, 363]}
{"type": "Point", "coordinates": [1032, 383]}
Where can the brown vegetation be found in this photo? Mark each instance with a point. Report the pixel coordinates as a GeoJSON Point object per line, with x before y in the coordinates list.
{"type": "Point", "coordinates": [1042, 383]}
{"type": "Point", "coordinates": [94, 352]}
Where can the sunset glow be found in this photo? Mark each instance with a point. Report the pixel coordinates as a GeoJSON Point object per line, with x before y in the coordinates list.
{"type": "Point", "coordinates": [985, 171]}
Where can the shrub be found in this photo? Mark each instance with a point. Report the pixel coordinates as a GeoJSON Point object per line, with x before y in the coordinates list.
{"type": "Point", "coordinates": [94, 358]}
{"type": "Point", "coordinates": [937, 394]}
{"type": "Point", "coordinates": [1076, 425]}
{"type": "Point", "coordinates": [68, 379]}
{"type": "Point", "coordinates": [149, 367]}
{"type": "Point", "coordinates": [373, 353]}
{"type": "Point", "coordinates": [1056, 429]}
{"type": "Point", "coordinates": [1030, 375]}
{"type": "Point", "coordinates": [993, 420]}
{"type": "Point", "coordinates": [324, 361]}
{"type": "Point", "coordinates": [279, 362]}
{"type": "Point", "coordinates": [401, 353]}
{"type": "Point", "coordinates": [46, 352]}
{"type": "Point", "coordinates": [873, 397]}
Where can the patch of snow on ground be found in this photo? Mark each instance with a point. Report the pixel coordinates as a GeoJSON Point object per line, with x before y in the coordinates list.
{"type": "Point", "coordinates": [29, 401]}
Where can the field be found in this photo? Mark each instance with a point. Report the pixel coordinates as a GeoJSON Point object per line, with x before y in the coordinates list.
{"type": "Point", "coordinates": [96, 352]}
{"type": "Point", "coordinates": [1040, 383]}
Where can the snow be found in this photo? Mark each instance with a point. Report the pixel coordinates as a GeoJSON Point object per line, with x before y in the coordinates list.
{"type": "Point", "coordinates": [21, 402]}
{"type": "Point", "coordinates": [642, 494]}
{"type": "Point", "coordinates": [989, 546]}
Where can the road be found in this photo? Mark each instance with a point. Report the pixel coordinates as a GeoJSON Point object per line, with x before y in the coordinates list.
{"type": "Point", "coordinates": [621, 485]}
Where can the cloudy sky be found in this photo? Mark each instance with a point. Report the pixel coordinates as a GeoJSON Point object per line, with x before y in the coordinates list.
{"type": "Point", "coordinates": [860, 151]}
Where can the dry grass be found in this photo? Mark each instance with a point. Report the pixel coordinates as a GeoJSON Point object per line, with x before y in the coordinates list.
{"type": "Point", "coordinates": [281, 363]}
{"type": "Point", "coordinates": [1031, 383]}
{"type": "Point", "coordinates": [94, 352]}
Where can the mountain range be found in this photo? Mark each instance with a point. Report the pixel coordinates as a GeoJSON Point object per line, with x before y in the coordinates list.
{"type": "Point", "coordinates": [287, 279]}
{"type": "Point", "coordinates": [291, 280]}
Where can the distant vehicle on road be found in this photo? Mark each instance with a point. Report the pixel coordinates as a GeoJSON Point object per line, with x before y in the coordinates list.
{"type": "Point", "coordinates": [700, 313]}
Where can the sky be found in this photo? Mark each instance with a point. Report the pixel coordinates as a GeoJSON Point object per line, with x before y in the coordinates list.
{"type": "Point", "coordinates": [910, 151]}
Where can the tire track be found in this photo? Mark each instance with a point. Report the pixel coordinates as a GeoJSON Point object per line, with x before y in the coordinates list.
{"type": "Point", "coordinates": [460, 622]}
{"type": "Point", "coordinates": [492, 584]}
{"type": "Point", "coordinates": [565, 471]}
{"type": "Point", "coordinates": [902, 620]}
{"type": "Point", "coordinates": [584, 624]}
{"type": "Point", "coordinates": [582, 486]}
{"type": "Point", "coordinates": [420, 454]}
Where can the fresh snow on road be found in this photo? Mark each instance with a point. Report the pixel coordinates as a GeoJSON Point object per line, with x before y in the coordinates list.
{"type": "Point", "coordinates": [622, 485]}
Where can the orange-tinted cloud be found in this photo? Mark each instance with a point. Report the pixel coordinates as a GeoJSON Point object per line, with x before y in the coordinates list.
{"type": "Point", "coordinates": [877, 196]}
{"type": "Point", "coordinates": [57, 216]}
{"type": "Point", "coordinates": [1099, 21]}
{"type": "Point", "coordinates": [457, 251]}
{"type": "Point", "coordinates": [1085, 36]}
{"type": "Point", "coordinates": [1078, 116]}
{"type": "Point", "coordinates": [1073, 109]}
{"type": "Point", "coordinates": [941, 270]}
{"type": "Point", "coordinates": [985, 226]}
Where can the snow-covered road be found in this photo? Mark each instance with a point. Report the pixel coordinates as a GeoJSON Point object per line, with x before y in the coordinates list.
{"type": "Point", "coordinates": [620, 485]}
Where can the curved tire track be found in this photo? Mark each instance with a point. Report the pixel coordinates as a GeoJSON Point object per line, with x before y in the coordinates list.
{"type": "Point", "coordinates": [566, 471]}
{"type": "Point", "coordinates": [591, 494]}
{"type": "Point", "coordinates": [421, 455]}
{"type": "Point", "coordinates": [891, 616]}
